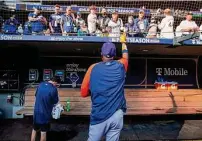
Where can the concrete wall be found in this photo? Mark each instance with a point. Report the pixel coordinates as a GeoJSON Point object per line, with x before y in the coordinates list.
{"type": "Point", "coordinates": [7, 108]}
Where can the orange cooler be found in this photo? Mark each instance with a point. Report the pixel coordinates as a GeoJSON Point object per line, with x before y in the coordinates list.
{"type": "Point", "coordinates": [161, 85]}
{"type": "Point", "coordinates": [172, 86]}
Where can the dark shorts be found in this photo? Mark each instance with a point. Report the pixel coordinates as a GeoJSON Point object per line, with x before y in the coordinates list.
{"type": "Point", "coordinates": [41, 127]}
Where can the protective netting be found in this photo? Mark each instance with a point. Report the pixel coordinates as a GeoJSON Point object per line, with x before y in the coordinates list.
{"type": "Point", "coordinates": [127, 10]}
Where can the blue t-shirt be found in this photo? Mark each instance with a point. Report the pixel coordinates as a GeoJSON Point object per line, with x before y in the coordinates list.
{"type": "Point", "coordinates": [37, 26]}
{"type": "Point", "coordinates": [11, 26]}
{"type": "Point", "coordinates": [46, 98]}
{"type": "Point", "coordinates": [67, 22]}
{"type": "Point", "coordinates": [107, 81]}
{"type": "Point", "coordinates": [55, 20]}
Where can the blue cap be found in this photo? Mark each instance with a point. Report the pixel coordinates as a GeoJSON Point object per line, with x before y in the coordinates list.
{"type": "Point", "coordinates": [108, 50]}
{"type": "Point", "coordinates": [78, 13]}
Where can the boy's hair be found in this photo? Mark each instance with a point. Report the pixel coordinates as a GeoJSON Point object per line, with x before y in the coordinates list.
{"type": "Point", "coordinates": [56, 79]}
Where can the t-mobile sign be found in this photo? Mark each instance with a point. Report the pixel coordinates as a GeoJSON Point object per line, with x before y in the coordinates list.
{"type": "Point", "coordinates": [172, 71]}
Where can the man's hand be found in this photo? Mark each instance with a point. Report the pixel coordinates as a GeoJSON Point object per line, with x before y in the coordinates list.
{"type": "Point", "coordinates": [123, 38]}
{"type": "Point", "coordinates": [64, 33]}
{"type": "Point", "coordinates": [190, 29]}
{"type": "Point", "coordinates": [196, 29]}
{"type": "Point", "coordinates": [52, 31]}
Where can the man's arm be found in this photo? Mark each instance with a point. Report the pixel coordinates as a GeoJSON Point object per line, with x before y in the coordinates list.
{"type": "Point", "coordinates": [51, 28]}
{"type": "Point", "coordinates": [86, 82]}
{"type": "Point", "coordinates": [7, 22]}
{"type": "Point", "coordinates": [44, 20]}
{"type": "Point", "coordinates": [55, 96]}
{"type": "Point", "coordinates": [147, 25]}
{"type": "Point", "coordinates": [31, 18]}
{"type": "Point", "coordinates": [137, 29]}
{"type": "Point", "coordinates": [162, 24]}
{"type": "Point", "coordinates": [73, 17]}
{"type": "Point", "coordinates": [195, 28]}
{"type": "Point", "coordinates": [16, 22]}
{"type": "Point", "coordinates": [61, 24]}
{"type": "Point", "coordinates": [124, 59]}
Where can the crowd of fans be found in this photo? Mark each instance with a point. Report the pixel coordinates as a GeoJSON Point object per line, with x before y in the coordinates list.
{"type": "Point", "coordinates": [68, 24]}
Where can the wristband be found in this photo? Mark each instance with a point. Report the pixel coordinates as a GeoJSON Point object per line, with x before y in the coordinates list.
{"type": "Point", "coordinates": [124, 51]}
{"type": "Point", "coordinates": [124, 47]}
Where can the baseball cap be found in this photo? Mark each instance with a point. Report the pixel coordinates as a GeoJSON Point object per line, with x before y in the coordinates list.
{"type": "Point", "coordinates": [141, 11]}
{"type": "Point", "coordinates": [108, 50]}
{"type": "Point", "coordinates": [104, 10]}
{"type": "Point", "coordinates": [69, 8]}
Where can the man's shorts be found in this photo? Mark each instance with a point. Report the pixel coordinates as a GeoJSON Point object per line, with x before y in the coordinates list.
{"type": "Point", "coordinates": [41, 127]}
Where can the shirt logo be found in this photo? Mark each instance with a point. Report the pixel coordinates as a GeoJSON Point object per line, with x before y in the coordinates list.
{"type": "Point", "coordinates": [108, 63]}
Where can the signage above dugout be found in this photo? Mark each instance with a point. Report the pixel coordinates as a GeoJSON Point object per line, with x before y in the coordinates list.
{"type": "Point", "coordinates": [82, 9]}
{"type": "Point", "coordinates": [132, 40]}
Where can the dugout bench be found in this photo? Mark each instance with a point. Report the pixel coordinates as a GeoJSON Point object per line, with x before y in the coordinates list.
{"type": "Point", "coordinates": [139, 102]}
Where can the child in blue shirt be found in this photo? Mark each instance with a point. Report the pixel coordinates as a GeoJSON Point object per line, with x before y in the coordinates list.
{"type": "Point", "coordinates": [46, 98]}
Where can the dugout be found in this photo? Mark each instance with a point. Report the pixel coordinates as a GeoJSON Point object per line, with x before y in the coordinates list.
{"type": "Point", "coordinates": [40, 60]}
{"type": "Point", "coordinates": [25, 61]}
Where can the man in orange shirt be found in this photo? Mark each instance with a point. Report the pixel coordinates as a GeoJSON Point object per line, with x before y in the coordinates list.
{"type": "Point", "coordinates": [105, 81]}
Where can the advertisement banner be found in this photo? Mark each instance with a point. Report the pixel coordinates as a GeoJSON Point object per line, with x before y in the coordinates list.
{"type": "Point", "coordinates": [142, 72]}
{"type": "Point", "coordinates": [181, 71]}
{"type": "Point", "coordinates": [85, 9]}
{"type": "Point", "coordinates": [84, 39]}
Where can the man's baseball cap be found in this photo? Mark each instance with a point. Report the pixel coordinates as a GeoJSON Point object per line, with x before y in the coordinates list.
{"type": "Point", "coordinates": [141, 11]}
{"type": "Point", "coordinates": [104, 10]}
{"type": "Point", "coordinates": [108, 50]}
{"type": "Point", "coordinates": [69, 8]}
